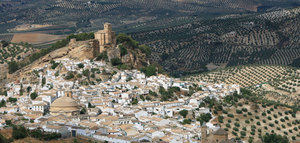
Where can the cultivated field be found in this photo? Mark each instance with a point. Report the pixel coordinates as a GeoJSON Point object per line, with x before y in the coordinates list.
{"type": "Point", "coordinates": [35, 38]}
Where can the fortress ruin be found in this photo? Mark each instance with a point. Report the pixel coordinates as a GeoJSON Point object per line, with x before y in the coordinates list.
{"type": "Point", "coordinates": [105, 38]}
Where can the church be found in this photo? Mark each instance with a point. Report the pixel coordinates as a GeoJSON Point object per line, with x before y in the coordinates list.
{"type": "Point", "coordinates": [65, 105]}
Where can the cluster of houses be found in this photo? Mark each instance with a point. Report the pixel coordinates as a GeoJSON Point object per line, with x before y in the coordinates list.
{"type": "Point", "coordinates": [106, 109]}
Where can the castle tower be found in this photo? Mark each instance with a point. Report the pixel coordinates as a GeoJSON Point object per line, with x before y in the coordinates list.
{"type": "Point", "coordinates": [204, 133]}
{"type": "Point", "coordinates": [106, 37]}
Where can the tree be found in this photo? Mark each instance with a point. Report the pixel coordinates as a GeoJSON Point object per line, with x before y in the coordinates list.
{"type": "Point", "coordinates": [2, 103]}
{"type": "Point", "coordinates": [149, 70]}
{"type": "Point", "coordinates": [186, 121]}
{"type": "Point", "coordinates": [3, 139]}
{"type": "Point", "coordinates": [91, 106]}
{"type": "Point", "coordinates": [81, 65]}
{"type": "Point", "coordinates": [8, 122]}
{"type": "Point", "coordinates": [54, 64]}
{"type": "Point", "coordinates": [274, 138]}
{"type": "Point", "coordinates": [19, 132]}
{"type": "Point", "coordinates": [4, 43]}
{"type": "Point", "coordinates": [12, 100]}
{"type": "Point", "coordinates": [102, 56]}
{"type": "Point", "coordinates": [28, 89]}
{"type": "Point", "coordinates": [184, 113]}
{"type": "Point", "coordinates": [70, 75]}
{"type": "Point", "coordinates": [83, 111]}
{"type": "Point", "coordinates": [43, 81]}
{"type": "Point", "coordinates": [123, 50]}
{"type": "Point", "coordinates": [33, 95]}
{"type": "Point", "coordinates": [134, 101]}
{"type": "Point", "coordinates": [116, 61]}
{"type": "Point", "coordinates": [12, 67]}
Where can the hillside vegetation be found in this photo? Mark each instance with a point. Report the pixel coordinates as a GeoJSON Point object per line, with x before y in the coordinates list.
{"type": "Point", "coordinates": [15, 52]}
{"type": "Point", "coordinates": [249, 117]}
{"type": "Point", "coordinates": [279, 83]}
{"type": "Point", "coordinates": [270, 38]}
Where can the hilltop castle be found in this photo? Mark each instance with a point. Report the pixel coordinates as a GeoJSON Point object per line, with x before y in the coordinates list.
{"type": "Point", "coordinates": [105, 38]}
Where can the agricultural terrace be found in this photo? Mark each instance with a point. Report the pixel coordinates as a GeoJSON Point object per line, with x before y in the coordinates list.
{"type": "Point", "coordinates": [14, 52]}
{"type": "Point", "coordinates": [279, 83]}
{"type": "Point", "coordinates": [249, 116]}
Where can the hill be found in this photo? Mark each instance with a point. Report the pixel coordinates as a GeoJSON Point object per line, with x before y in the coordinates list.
{"type": "Point", "coordinates": [15, 51]}
{"type": "Point", "coordinates": [279, 83]}
{"type": "Point", "coordinates": [270, 38]}
{"type": "Point", "coordinates": [249, 117]}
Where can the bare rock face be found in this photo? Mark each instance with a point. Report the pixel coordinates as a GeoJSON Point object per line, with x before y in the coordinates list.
{"type": "Point", "coordinates": [113, 53]}
{"type": "Point", "coordinates": [134, 58]}
{"type": "Point", "coordinates": [81, 52]}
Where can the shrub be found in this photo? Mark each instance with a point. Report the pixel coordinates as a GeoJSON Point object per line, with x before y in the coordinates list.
{"type": "Point", "coordinates": [183, 113]}
{"type": "Point", "coordinates": [249, 113]}
{"type": "Point", "coordinates": [274, 138]}
{"type": "Point", "coordinates": [256, 117]}
{"type": "Point", "coordinates": [116, 61]}
{"type": "Point", "coordinates": [19, 132]}
{"type": "Point", "coordinates": [244, 109]}
{"type": "Point", "coordinates": [186, 121]}
{"type": "Point", "coordinates": [263, 114]}
{"type": "Point", "coordinates": [264, 121]}
{"type": "Point", "coordinates": [282, 120]}
{"type": "Point", "coordinates": [283, 126]}
{"type": "Point", "coordinates": [275, 116]}
{"type": "Point", "coordinates": [81, 65]}
{"type": "Point", "coordinates": [229, 121]}
{"type": "Point", "coordinates": [236, 129]}
{"type": "Point", "coordinates": [269, 118]}
{"type": "Point", "coordinates": [33, 95]}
